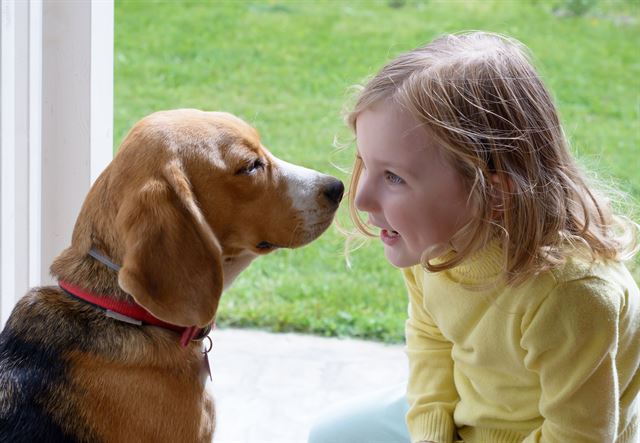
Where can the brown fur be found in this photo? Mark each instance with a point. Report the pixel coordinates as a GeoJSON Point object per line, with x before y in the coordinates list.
{"type": "Point", "coordinates": [173, 209]}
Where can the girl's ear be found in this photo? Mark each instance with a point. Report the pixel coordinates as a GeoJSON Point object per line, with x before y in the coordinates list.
{"type": "Point", "coordinates": [172, 260]}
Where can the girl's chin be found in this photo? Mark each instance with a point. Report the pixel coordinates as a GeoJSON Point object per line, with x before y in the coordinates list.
{"type": "Point", "coordinates": [398, 259]}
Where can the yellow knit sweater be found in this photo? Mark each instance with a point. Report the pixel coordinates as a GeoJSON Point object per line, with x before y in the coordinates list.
{"type": "Point", "coordinates": [555, 359]}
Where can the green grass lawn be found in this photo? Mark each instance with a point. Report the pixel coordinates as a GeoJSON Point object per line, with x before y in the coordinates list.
{"type": "Point", "coordinates": [286, 67]}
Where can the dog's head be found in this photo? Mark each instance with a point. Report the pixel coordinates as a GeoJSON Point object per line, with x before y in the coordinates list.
{"type": "Point", "coordinates": [195, 197]}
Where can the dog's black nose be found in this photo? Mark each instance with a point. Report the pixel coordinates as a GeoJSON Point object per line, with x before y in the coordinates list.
{"type": "Point", "coordinates": [334, 191]}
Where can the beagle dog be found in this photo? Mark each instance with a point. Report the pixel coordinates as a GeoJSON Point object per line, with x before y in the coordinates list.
{"type": "Point", "coordinates": [115, 352]}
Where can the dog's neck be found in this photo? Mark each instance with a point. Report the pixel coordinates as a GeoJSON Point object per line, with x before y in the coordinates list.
{"type": "Point", "coordinates": [84, 270]}
{"type": "Point", "coordinates": [93, 228]}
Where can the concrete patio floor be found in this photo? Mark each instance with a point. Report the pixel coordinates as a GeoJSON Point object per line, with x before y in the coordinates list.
{"type": "Point", "coordinates": [271, 387]}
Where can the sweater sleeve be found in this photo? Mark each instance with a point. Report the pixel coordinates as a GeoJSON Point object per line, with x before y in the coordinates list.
{"type": "Point", "coordinates": [571, 343]}
{"type": "Point", "coordinates": [430, 392]}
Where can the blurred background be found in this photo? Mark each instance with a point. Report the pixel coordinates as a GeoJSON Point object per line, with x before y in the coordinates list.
{"type": "Point", "coordinates": [287, 68]}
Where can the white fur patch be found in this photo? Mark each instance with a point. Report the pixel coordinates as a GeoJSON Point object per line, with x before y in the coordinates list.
{"type": "Point", "coordinates": [305, 188]}
{"type": "Point", "coordinates": [302, 184]}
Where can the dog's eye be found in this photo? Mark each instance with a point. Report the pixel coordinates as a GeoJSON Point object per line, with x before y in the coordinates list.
{"type": "Point", "coordinates": [252, 168]}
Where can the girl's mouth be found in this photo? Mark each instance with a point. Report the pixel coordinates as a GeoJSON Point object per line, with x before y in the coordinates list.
{"type": "Point", "coordinates": [389, 237]}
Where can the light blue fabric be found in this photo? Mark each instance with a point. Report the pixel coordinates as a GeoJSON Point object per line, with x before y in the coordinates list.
{"type": "Point", "coordinates": [376, 418]}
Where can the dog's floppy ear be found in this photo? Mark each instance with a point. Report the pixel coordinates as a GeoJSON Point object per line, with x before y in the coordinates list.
{"type": "Point", "coordinates": [172, 260]}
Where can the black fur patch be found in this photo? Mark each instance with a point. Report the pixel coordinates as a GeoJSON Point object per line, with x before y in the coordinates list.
{"type": "Point", "coordinates": [28, 372]}
{"type": "Point", "coordinates": [34, 372]}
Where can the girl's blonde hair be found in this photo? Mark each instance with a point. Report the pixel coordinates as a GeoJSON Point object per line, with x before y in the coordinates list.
{"type": "Point", "coordinates": [479, 96]}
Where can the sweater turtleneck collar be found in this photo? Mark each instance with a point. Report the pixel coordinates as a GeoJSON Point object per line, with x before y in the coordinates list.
{"type": "Point", "coordinates": [481, 267]}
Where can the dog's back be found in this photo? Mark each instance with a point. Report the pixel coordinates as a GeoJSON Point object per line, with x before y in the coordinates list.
{"type": "Point", "coordinates": [34, 370]}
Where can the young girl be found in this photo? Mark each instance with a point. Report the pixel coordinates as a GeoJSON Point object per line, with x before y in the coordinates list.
{"type": "Point", "coordinates": [523, 324]}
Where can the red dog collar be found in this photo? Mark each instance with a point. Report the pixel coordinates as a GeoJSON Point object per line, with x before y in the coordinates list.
{"type": "Point", "coordinates": [133, 313]}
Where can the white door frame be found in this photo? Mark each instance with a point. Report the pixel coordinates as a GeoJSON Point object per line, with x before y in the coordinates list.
{"type": "Point", "coordinates": [56, 129]}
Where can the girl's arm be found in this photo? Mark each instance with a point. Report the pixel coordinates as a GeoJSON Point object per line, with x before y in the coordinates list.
{"type": "Point", "coordinates": [431, 392]}
{"type": "Point", "coordinates": [571, 342]}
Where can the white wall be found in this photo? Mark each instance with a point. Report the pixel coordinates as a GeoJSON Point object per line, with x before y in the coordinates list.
{"type": "Point", "coordinates": [56, 129]}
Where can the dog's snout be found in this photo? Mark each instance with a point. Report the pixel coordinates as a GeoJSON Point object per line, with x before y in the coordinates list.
{"type": "Point", "coordinates": [334, 191]}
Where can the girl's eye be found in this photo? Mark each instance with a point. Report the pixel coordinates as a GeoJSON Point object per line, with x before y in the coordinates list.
{"type": "Point", "coordinates": [252, 168]}
{"type": "Point", "coordinates": [392, 178]}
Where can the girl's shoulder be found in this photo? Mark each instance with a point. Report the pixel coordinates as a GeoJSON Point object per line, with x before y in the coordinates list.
{"type": "Point", "coordinates": [591, 288]}
{"type": "Point", "coordinates": [578, 269]}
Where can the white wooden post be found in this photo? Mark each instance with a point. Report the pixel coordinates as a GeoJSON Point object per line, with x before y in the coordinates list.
{"type": "Point", "coordinates": [56, 129]}
{"type": "Point", "coordinates": [10, 64]}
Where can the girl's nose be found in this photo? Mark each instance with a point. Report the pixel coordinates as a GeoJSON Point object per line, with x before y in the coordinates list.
{"type": "Point", "coordinates": [364, 199]}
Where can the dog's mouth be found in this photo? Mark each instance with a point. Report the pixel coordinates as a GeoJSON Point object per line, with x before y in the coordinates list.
{"type": "Point", "coordinates": [265, 246]}
{"type": "Point", "coordinates": [303, 237]}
